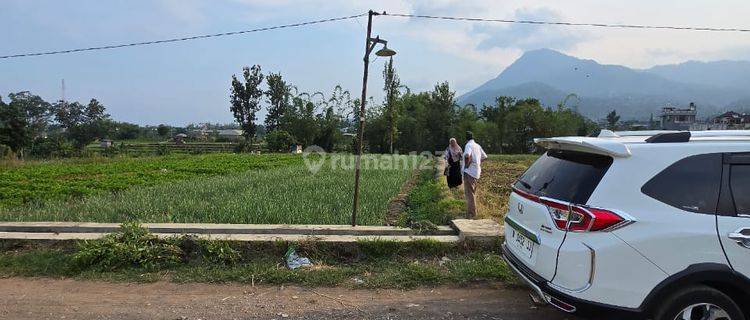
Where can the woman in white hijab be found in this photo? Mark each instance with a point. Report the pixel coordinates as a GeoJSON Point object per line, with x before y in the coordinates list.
{"type": "Point", "coordinates": [453, 156]}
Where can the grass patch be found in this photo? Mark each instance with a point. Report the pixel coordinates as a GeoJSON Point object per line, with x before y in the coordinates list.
{"type": "Point", "coordinates": [499, 171]}
{"type": "Point", "coordinates": [264, 269]}
{"type": "Point", "coordinates": [429, 203]}
{"type": "Point", "coordinates": [135, 256]}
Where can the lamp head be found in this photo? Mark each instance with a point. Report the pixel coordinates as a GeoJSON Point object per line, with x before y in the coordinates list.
{"type": "Point", "coordinates": [385, 52]}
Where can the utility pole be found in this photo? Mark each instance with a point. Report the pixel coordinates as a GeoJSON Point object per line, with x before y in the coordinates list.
{"type": "Point", "coordinates": [370, 43]}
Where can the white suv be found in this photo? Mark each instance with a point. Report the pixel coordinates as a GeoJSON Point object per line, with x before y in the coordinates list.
{"type": "Point", "coordinates": [636, 225]}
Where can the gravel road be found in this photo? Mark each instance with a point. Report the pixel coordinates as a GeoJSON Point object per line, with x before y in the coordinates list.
{"type": "Point", "coordinates": [38, 298]}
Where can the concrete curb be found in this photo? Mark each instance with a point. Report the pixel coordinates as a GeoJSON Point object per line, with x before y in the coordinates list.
{"type": "Point", "coordinates": [479, 231]}
{"type": "Point", "coordinates": [215, 229]}
{"type": "Point", "coordinates": [474, 231]}
{"type": "Point", "coordinates": [44, 236]}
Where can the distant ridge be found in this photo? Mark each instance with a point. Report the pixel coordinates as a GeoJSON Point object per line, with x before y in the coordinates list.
{"type": "Point", "coordinates": [550, 76]}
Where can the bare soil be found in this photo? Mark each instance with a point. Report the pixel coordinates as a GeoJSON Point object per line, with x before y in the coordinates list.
{"type": "Point", "coordinates": [42, 298]}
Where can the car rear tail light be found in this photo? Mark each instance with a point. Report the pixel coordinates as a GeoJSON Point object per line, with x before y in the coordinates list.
{"type": "Point", "coordinates": [559, 211]}
{"type": "Point", "coordinates": [577, 218]}
{"type": "Point", "coordinates": [583, 219]}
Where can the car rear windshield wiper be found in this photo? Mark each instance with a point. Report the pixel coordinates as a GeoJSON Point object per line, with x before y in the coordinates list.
{"type": "Point", "coordinates": [524, 184]}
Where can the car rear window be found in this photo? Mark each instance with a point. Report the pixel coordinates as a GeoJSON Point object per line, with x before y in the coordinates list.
{"type": "Point", "coordinates": [691, 184]}
{"type": "Point", "coordinates": [565, 175]}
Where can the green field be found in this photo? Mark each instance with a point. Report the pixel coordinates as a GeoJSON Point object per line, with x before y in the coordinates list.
{"type": "Point", "coordinates": [216, 188]}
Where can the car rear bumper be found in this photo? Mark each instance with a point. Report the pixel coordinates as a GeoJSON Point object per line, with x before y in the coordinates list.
{"type": "Point", "coordinates": [564, 302]}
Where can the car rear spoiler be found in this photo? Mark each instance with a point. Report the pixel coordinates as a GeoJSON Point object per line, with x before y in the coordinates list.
{"type": "Point", "coordinates": [586, 144]}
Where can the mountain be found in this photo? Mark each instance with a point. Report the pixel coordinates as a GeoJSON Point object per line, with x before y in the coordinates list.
{"type": "Point", "coordinates": [730, 74]}
{"type": "Point", "coordinates": [550, 76]}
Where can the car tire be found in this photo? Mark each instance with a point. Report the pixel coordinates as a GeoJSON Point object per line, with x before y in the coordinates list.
{"type": "Point", "coordinates": [699, 297]}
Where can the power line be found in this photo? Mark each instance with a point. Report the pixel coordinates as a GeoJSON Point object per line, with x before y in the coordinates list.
{"type": "Point", "coordinates": [300, 24]}
{"type": "Point", "coordinates": [223, 34]}
{"type": "Point", "coordinates": [561, 23]}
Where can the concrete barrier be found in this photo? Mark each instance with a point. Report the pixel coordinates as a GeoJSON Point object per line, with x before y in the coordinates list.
{"type": "Point", "coordinates": [211, 228]}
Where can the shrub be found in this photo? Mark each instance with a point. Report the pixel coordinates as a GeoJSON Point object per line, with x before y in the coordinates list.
{"type": "Point", "coordinates": [6, 152]}
{"type": "Point", "coordinates": [219, 252]}
{"type": "Point", "coordinates": [51, 147]}
{"type": "Point", "coordinates": [133, 246]}
{"type": "Point", "coordinates": [279, 140]}
{"type": "Point", "coordinates": [162, 150]}
{"type": "Point", "coordinates": [244, 146]}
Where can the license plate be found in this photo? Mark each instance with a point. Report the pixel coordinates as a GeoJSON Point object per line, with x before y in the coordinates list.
{"type": "Point", "coordinates": [522, 243]}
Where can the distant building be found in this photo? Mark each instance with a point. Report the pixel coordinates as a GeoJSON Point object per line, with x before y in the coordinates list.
{"type": "Point", "coordinates": [673, 118]}
{"type": "Point", "coordinates": [231, 134]}
{"type": "Point", "coordinates": [179, 138]}
{"type": "Point", "coordinates": [200, 134]}
{"type": "Point", "coordinates": [106, 143]}
{"type": "Point", "coordinates": [730, 120]}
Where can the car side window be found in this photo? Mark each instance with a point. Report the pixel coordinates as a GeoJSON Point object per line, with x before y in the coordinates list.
{"type": "Point", "coordinates": [739, 183]}
{"type": "Point", "coordinates": [691, 184]}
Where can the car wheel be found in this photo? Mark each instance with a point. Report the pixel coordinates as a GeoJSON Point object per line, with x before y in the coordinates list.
{"type": "Point", "coordinates": [699, 302]}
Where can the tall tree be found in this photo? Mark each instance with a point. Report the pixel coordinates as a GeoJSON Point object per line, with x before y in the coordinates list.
{"type": "Point", "coordinates": [13, 127]}
{"type": "Point", "coordinates": [278, 94]}
{"type": "Point", "coordinates": [22, 120]}
{"type": "Point", "coordinates": [391, 107]}
{"type": "Point", "coordinates": [83, 124]}
{"type": "Point", "coordinates": [612, 119]}
{"type": "Point", "coordinates": [162, 130]}
{"type": "Point", "coordinates": [245, 99]}
{"type": "Point", "coordinates": [496, 115]}
{"type": "Point", "coordinates": [439, 116]}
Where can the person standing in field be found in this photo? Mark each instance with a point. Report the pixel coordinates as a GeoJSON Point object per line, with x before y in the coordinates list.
{"type": "Point", "coordinates": [473, 156]}
{"type": "Point", "coordinates": [453, 156]}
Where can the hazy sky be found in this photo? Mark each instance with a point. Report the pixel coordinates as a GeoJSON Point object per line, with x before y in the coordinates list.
{"type": "Point", "coordinates": [189, 81]}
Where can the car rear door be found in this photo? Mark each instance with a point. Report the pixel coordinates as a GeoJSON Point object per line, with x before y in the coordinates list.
{"type": "Point", "coordinates": [734, 211]}
{"type": "Point", "coordinates": [561, 176]}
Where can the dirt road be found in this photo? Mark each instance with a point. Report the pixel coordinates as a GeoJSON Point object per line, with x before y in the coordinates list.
{"type": "Point", "coordinates": [26, 298]}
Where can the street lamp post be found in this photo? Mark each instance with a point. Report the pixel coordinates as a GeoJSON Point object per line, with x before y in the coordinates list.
{"type": "Point", "coordinates": [370, 44]}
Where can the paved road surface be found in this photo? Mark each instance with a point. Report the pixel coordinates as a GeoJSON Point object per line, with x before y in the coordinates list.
{"type": "Point", "coordinates": [27, 298]}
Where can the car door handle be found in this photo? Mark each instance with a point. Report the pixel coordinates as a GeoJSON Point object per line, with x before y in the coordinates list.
{"type": "Point", "coordinates": [741, 238]}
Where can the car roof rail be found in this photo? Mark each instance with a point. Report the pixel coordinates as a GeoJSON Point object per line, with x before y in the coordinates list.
{"type": "Point", "coordinates": [721, 133]}
{"type": "Point", "coordinates": [670, 137]}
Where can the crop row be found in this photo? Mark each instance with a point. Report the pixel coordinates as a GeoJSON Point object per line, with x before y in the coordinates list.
{"type": "Point", "coordinates": [73, 179]}
{"type": "Point", "coordinates": [289, 194]}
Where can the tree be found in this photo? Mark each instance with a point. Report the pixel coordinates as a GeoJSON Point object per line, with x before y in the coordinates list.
{"type": "Point", "coordinates": [527, 120]}
{"type": "Point", "coordinates": [83, 124]}
{"type": "Point", "coordinates": [245, 100]}
{"type": "Point", "coordinates": [22, 120]}
{"type": "Point", "coordinates": [13, 127]}
{"type": "Point", "coordinates": [126, 131]}
{"type": "Point", "coordinates": [163, 130]}
{"type": "Point", "coordinates": [496, 115]}
{"type": "Point", "coordinates": [328, 131]}
{"type": "Point", "coordinates": [302, 120]}
{"type": "Point", "coordinates": [439, 116]}
{"type": "Point", "coordinates": [279, 140]}
{"type": "Point", "coordinates": [391, 108]}
{"type": "Point", "coordinates": [278, 94]}
{"type": "Point", "coordinates": [612, 119]}
{"type": "Point", "coordinates": [413, 121]}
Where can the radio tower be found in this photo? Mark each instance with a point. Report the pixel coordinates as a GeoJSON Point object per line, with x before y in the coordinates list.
{"type": "Point", "coordinates": [63, 92]}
